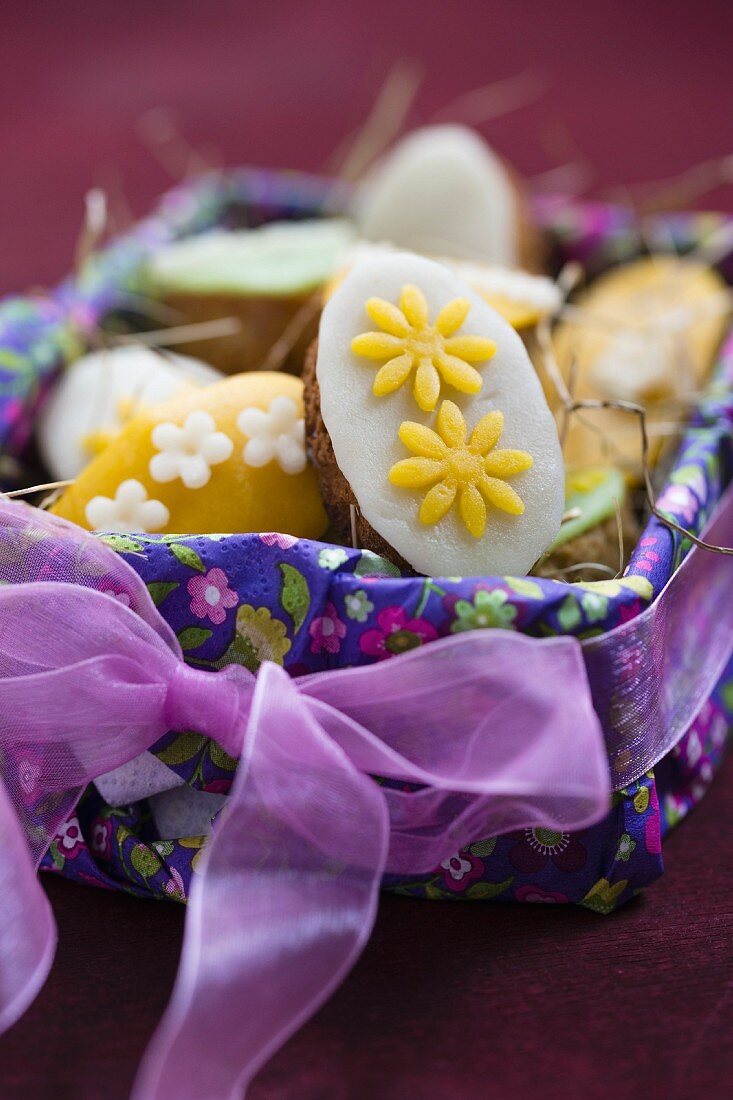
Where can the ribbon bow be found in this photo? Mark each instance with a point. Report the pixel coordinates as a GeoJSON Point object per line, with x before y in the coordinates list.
{"type": "Point", "coordinates": [498, 730]}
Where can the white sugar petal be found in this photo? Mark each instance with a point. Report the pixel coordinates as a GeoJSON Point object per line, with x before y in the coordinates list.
{"type": "Point", "coordinates": [259, 451]}
{"type": "Point", "coordinates": [283, 412]}
{"type": "Point", "coordinates": [253, 421]}
{"type": "Point", "coordinates": [164, 467]}
{"type": "Point", "coordinates": [198, 424]}
{"type": "Point", "coordinates": [154, 515]}
{"type": "Point", "coordinates": [101, 514]}
{"type": "Point", "coordinates": [130, 492]}
{"type": "Point", "coordinates": [216, 447]}
{"type": "Point", "coordinates": [290, 454]}
{"type": "Point", "coordinates": [195, 472]}
{"type": "Point", "coordinates": [166, 436]}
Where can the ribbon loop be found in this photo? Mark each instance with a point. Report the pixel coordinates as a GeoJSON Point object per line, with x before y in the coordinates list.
{"type": "Point", "coordinates": [209, 704]}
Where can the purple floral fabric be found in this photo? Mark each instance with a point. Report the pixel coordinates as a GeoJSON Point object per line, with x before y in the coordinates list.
{"type": "Point", "coordinates": [311, 606]}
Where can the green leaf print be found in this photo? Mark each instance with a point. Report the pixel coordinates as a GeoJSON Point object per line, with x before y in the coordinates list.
{"type": "Point", "coordinates": [145, 861]}
{"type": "Point", "coordinates": [569, 614]}
{"type": "Point", "coordinates": [122, 543]}
{"type": "Point", "coordinates": [524, 587]}
{"type": "Point", "coordinates": [184, 748]}
{"type": "Point", "coordinates": [371, 565]}
{"type": "Point", "coordinates": [481, 890]}
{"type": "Point", "coordinates": [483, 848]}
{"type": "Point", "coordinates": [160, 589]}
{"type": "Point", "coordinates": [58, 859]}
{"type": "Point", "coordinates": [193, 637]}
{"type": "Point", "coordinates": [295, 596]}
{"type": "Point", "coordinates": [187, 556]}
{"type": "Point", "coordinates": [220, 758]}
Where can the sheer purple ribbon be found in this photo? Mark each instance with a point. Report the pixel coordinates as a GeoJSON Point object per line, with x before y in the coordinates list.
{"type": "Point", "coordinates": [287, 896]}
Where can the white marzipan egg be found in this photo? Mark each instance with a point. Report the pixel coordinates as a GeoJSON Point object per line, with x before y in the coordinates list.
{"type": "Point", "coordinates": [97, 392]}
{"type": "Point", "coordinates": [442, 191]}
{"type": "Point", "coordinates": [364, 428]}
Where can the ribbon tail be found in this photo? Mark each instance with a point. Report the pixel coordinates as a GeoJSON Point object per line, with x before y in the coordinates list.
{"type": "Point", "coordinates": [283, 908]}
{"type": "Point", "coordinates": [28, 931]}
{"type": "Point", "coordinates": [651, 676]}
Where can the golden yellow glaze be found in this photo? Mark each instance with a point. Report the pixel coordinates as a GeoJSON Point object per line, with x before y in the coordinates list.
{"type": "Point", "coordinates": [520, 315]}
{"type": "Point", "coordinates": [201, 441]}
{"type": "Point", "coordinates": [457, 467]}
{"type": "Point", "coordinates": [637, 302]}
{"type": "Point", "coordinates": [411, 343]}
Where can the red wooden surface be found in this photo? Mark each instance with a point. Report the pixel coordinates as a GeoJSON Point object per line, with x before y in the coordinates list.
{"type": "Point", "coordinates": [449, 1000]}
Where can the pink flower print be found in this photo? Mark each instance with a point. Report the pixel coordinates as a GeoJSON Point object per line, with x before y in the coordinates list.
{"type": "Point", "coordinates": [396, 634]}
{"type": "Point", "coordinates": [327, 631]}
{"type": "Point", "coordinates": [680, 501]}
{"type": "Point", "coordinates": [29, 771]}
{"type": "Point", "coordinates": [648, 557]}
{"type": "Point", "coordinates": [211, 596]}
{"type": "Point", "coordinates": [652, 828]}
{"type": "Point", "coordinates": [175, 888]}
{"type": "Point", "coordinates": [460, 870]}
{"type": "Point", "coordinates": [693, 748]}
{"type": "Point", "coordinates": [218, 786]}
{"type": "Point", "coordinates": [718, 730]}
{"type": "Point", "coordinates": [120, 596]}
{"type": "Point", "coordinates": [100, 843]}
{"type": "Point", "coordinates": [629, 611]}
{"type": "Point", "coordinates": [284, 542]}
{"type": "Point", "coordinates": [540, 845]}
{"type": "Point", "coordinates": [536, 895]}
{"type": "Point", "coordinates": [69, 839]}
{"type": "Point", "coordinates": [13, 410]}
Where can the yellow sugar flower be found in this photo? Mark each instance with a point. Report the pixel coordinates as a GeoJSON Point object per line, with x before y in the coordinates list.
{"type": "Point", "coordinates": [472, 471]}
{"type": "Point", "coordinates": [409, 342]}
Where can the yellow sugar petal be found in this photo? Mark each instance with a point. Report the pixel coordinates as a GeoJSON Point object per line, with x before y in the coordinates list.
{"type": "Point", "coordinates": [391, 376]}
{"type": "Point", "coordinates": [416, 473]}
{"type": "Point", "coordinates": [486, 433]}
{"type": "Point", "coordinates": [451, 424]}
{"type": "Point", "coordinates": [376, 345]}
{"type": "Point", "coordinates": [427, 386]}
{"type": "Point", "coordinates": [501, 495]}
{"type": "Point", "coordinates": [414, 306]}
{"type": "Point", "coordinates": [387, 316]}
{"type": "Point", "coordinates": [421, 440]}
{"type": "Point", "coordinates": [507, 463]}
{"type": "Point", "coordinates": [474, 349]}
{"type": "Point", "coordinates": [459, 374]}
{"type": "Point", "coordinates": [473, 510]}
{"type": "Point", "coordinates": [438, 502]}
{"type": "Point", "coordinates": [452, 316]}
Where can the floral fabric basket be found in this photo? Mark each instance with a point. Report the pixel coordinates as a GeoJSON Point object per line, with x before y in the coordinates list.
{"type": "Point", "coordinates": [312, 607]}
{"type": "Point", "coordinates": [267, 682]}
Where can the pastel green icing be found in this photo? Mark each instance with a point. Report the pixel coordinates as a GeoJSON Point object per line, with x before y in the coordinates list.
{"type": "Point", "coordinates": [279, 259]}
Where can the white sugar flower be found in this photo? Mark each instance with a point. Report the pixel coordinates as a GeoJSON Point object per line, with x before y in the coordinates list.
{"type": "Point", "coordinates": [188, 452]}
{"type": "Point", "coordinates": [278, 434]}
{"type": "Point", "coordinates": [130, 510]}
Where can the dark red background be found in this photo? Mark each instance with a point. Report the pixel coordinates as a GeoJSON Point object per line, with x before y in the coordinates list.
{"type": "Point", "coordinates": [449, 1000]}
